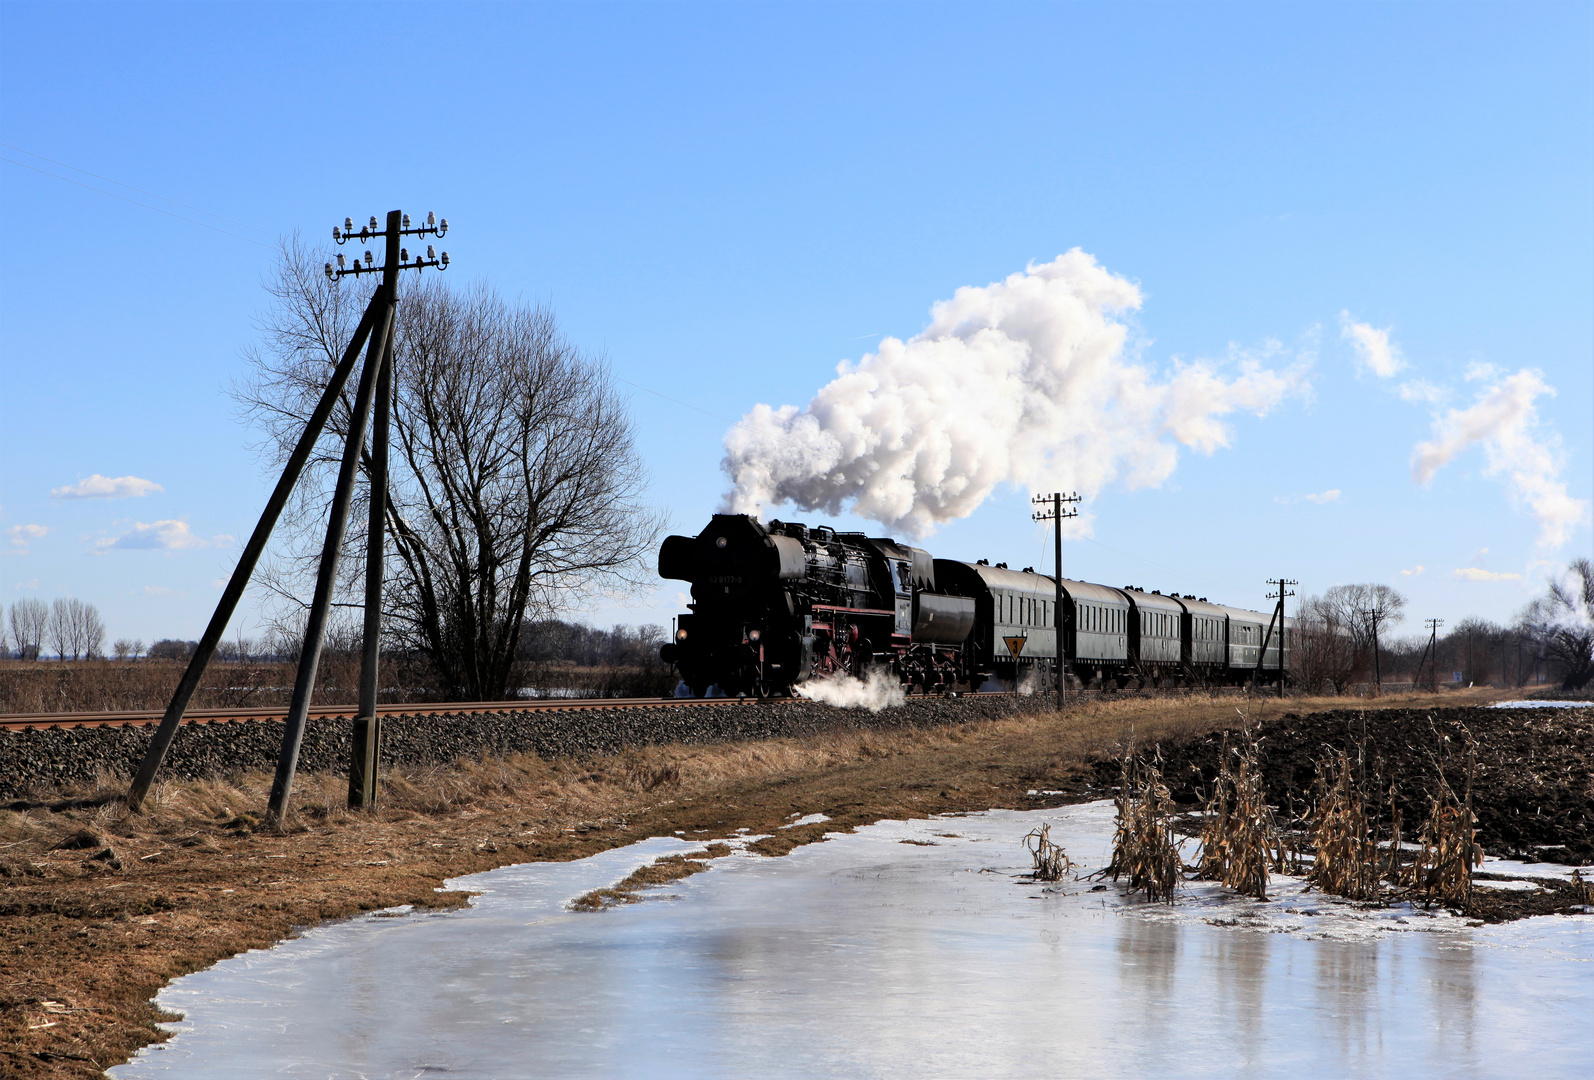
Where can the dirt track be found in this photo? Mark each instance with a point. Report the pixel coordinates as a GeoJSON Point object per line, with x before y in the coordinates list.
{"type": "Point", "coordinates": [89, 933]}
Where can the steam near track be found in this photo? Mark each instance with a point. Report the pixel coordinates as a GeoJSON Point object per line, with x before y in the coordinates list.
{"type": "Point", "coordinates": [1032, 380]}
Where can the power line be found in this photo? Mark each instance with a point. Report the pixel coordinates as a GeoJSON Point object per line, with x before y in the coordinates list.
{"type": "Point", "coordinates": [141, 191]}
{"type": "Point", "coordinates": [135, 202]}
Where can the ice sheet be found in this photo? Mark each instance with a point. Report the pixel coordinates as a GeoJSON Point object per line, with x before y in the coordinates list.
{"type": "Point", "coordinates": [913, 949]}
{"type": "Point", "coordinates": [1541, 704]}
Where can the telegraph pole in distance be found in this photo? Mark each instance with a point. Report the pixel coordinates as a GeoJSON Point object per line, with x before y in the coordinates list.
{"type": "Point", "coordinates": [1373, 614]}
{"type": "Point", "coordinates": [1056, 515]}
{"type": "Point", "coordinates": [1276, 617]}
{"type": "Point", "coordinates": [1433, 626]}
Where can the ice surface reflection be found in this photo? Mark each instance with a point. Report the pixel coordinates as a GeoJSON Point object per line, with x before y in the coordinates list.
{"type": "Point", "coordinates": [871, 956]}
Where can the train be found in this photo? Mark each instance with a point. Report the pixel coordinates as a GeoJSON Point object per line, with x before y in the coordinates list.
{"type": "Point", "coordinates": [776, 605]}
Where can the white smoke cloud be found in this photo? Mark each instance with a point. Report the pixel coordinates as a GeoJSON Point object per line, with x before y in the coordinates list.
{"type": "Point", "coordinates": [1374, 350]}
{"type": "Point", "coordinates": [1504, 421]}
{"type": "Point", "coordinates": [1023, 381]}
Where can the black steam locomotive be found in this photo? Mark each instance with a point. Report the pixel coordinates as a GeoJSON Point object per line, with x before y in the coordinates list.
{"type": "Point", "coordinates": [775, 605]}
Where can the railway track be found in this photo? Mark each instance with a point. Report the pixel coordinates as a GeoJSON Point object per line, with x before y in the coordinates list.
{"type": "Point", "coordinates": [149, 718]}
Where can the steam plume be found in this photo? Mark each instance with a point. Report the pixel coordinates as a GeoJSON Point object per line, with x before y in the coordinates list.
{"type": "Point", "coordinates": [1503, 421]}
{"type": "Point", "coordinates": [1023, 381]}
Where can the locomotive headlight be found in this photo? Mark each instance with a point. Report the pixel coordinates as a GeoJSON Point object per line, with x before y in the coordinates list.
{"type": "Point", "coordinates": [752, 635]}
{"type": "Point", "coordinates": [719, 541]}
{"type": "Point", "coordinates": [680, 635]}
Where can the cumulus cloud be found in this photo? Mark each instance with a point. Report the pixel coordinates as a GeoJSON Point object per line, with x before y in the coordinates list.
{"type": "Point", "coordinates": [1473, 573]}
{"type": "Point", "coordinates": [1504, 422]}
{"type": "Point", "coordinates": [1374, 350]}
{"type": "Point", "coordinates": [1024, 381]}
{"type": "Point", "coordinates": [21, 535]}
{"type": "Point", "coordinates": [156, 536]}
{"type": "Point", "coordinates": [106, 487]}
{"type": "Point", "coordinates": [1415, 571]}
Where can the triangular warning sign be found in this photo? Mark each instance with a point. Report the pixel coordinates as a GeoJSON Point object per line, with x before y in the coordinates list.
{"type": "Point", "coordinates": [1015, 645]}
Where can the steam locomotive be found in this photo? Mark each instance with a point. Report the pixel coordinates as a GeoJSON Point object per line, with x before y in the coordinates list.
{"type": "Point", "coordinates": [776, 605]}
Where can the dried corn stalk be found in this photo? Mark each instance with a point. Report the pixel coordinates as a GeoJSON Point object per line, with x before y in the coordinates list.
{"type": "Point", "coordinates": [1239, 837]}
{"type": "Point", "coordinates": [1143, 848]}
{"type": "Point", "coordinates": [1443, 870]}
{"type": "Point", "coordinates": [1051, 862]}
{"type": "Point", "coordinates": [1346, 854]}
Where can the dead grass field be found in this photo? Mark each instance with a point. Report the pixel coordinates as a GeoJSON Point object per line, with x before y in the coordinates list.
{"type": "Point", "coordinates": [87, 938]}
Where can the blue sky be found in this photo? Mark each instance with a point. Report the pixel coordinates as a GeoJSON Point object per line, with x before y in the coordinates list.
{"type": "Point", "coordinates": [728, 200]}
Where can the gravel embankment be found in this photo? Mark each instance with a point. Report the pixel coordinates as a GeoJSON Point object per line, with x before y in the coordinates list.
{"type": "Point", "coordinates": [36, 762]}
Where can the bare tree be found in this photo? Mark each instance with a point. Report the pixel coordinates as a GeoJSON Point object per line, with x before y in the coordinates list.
{"type": "Point", "coordinates": [75, 628]}
{"type": "Point", "coordinates": [515, 489]}
{"type": "Point", "coordinates": [93, 633]}
{"type": "Point", "coordinates": [30, 621]}
{"type": "Point", "coordinates": [122, 649]}
{"type": "Point", "coordinates": [1561, 622]}
{"type": "Point", "coordinates": [5, 641]}
{"type": "Point", "coordinates": [1334, 641]}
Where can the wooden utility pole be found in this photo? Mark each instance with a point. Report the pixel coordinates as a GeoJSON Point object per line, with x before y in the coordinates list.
{"type": "Point", "coordinates": [1373, 614]}
{"type": "Point", "coordinates": [1432, 653]}
{"type": "Point", "coordinates": [1276, 617]}
{"type": "Point", "coordinates": [375, 334]}
{"type": "Point", "coordinates": [1056, 515]}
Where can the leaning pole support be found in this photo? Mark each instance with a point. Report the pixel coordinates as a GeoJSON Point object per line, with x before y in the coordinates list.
{"type": "Point", "coordinates": [375, 327]}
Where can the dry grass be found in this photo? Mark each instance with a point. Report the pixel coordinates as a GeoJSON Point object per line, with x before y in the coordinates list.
{"type": "Point", "coordinates": [1240, 840]}
{"type": "Point", "coordinates": [1051, 861]}
{"type": "Point", "coordinates": [661, 871]}
{"type": "Point", "coordinates": [1143, 848]}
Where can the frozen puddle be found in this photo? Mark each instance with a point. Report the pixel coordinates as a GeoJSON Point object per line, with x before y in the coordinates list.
{"type": "Point", "coordinates": [904, 950]}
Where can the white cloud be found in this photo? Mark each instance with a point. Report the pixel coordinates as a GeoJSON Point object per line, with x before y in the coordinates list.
{"type": "Point", "coordinates": [24, 586]}
{"type": "Point", "coordinates": [157, 536]}
{"type": "Point", "coordinates": [1505, 422]}
{"type": "Point", "coordinates": [1374, 350]}
{"type": "Point", "coordinates": [157, 590]}
{"type": "Point", "coordinates": [1415, 571]}
{"type": "Point", "coordinates": [106, 487]}
{"type": "Point", "coordinates": [1473, 573]}
{"type": "Point", "coordinates": [1422, 390]}
{"type": "Point", "coordinates": [1024, 381]}
{"type": "Point", "coordinates": [1331, 495]}
{"type": "Point", "coordinates": [21, 535]}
